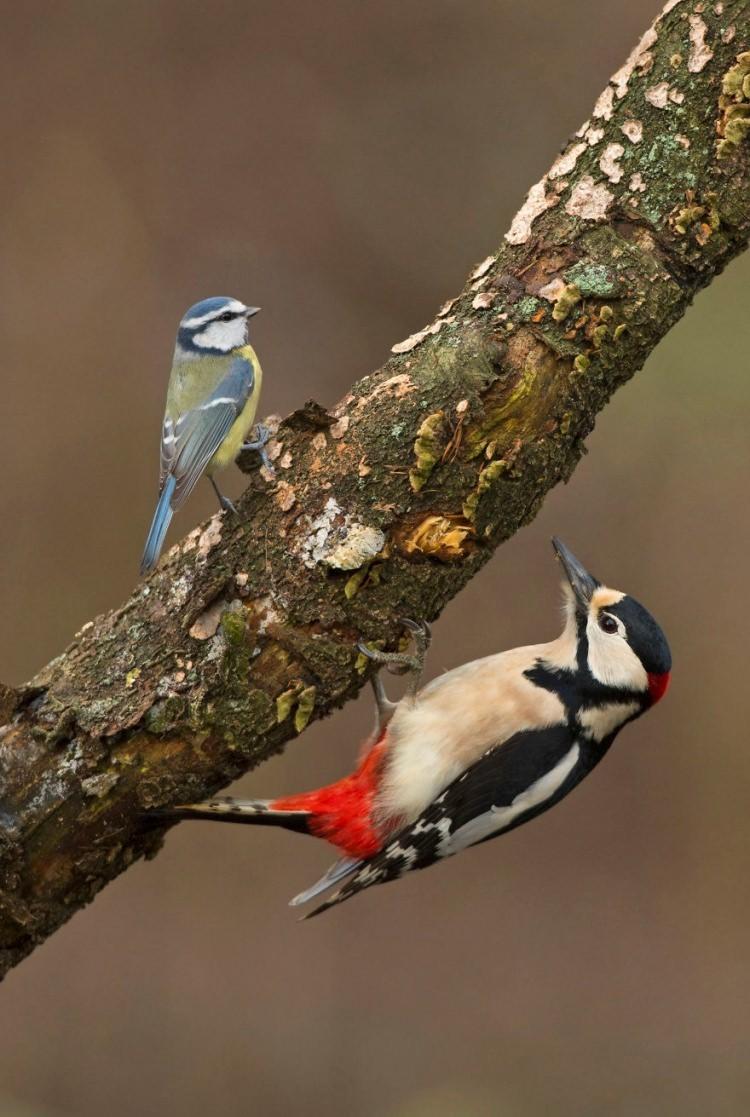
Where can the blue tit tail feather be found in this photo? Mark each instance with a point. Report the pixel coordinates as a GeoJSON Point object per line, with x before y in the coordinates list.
{"type": "Point", "coordinates": [159, 526]}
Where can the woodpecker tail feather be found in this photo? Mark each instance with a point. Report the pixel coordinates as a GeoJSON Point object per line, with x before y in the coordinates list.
{"type": "Point", "coordinates": [252, 812]}
{"type": "Point", "coordinates": [159, 526]}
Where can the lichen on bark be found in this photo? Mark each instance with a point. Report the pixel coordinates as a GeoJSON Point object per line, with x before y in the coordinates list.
{"type": "Point", "coordinates": [390, 503]}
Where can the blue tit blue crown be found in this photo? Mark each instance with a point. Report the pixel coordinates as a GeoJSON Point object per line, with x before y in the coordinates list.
{"type": "Point", "coordinates": [214, 326]}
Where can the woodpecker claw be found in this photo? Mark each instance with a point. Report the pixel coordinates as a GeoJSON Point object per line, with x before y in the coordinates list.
{"type": "Point", "coordinates": [397, 663]}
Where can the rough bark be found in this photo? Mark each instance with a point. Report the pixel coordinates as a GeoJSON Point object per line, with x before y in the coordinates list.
{"type": "Point", "coordinates": [387, 506]}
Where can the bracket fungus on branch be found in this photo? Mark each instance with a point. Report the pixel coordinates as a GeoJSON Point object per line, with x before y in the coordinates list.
{"type": "Point", "coordinates": [388, 505]}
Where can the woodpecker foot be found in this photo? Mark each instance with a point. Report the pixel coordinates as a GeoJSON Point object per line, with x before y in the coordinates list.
{"type": "Point", "coordinates": [262, 437]}
{"type": "Point", "coordinates": [398, 663]}
{"type": "Point", "coordinates": [224, 501]}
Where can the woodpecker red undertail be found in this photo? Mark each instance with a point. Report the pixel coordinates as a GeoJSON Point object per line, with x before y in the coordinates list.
{"type": "Point", "coordinates": [479, 750]}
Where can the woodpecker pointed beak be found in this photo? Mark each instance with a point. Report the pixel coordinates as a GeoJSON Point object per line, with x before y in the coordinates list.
{"type": "Point", "coordinates": [582, 583]}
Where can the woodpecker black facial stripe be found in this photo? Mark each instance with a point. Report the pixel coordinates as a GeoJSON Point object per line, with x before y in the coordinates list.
{"type": "Point", "coordinates": [578, 690]}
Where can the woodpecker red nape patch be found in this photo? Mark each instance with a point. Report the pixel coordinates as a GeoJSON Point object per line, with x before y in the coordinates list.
{"type": "Point", "coordinates": [657, 686]}
{"type": "Point", "coordinates": [342, 812]}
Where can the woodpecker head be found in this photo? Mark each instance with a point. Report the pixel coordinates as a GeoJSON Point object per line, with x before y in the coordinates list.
{"type": "Point", "coordinates": [619, 644]}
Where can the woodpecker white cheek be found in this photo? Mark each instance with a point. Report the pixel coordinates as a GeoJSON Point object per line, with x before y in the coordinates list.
{"type": "Point", "coordinates": [612, 661]}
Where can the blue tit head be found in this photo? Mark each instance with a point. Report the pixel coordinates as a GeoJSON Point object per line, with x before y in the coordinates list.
{"type": "Point", "coordinates": [214, 326]}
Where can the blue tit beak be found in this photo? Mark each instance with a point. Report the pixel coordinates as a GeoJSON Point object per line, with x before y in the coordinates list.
{"type": "Point", "coordinates": [582, 583]}
{"type": "Point", "coordinates": [251, 310]}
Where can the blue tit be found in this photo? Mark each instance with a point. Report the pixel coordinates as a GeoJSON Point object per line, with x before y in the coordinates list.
{"type": "Point", "coordinates": [213, 393]}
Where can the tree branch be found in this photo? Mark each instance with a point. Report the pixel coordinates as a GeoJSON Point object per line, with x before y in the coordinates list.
{"type": "Point", "coordinates": [390, 504]}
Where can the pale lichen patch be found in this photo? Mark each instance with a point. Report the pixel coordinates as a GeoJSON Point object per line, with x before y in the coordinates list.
{"type": "Point", "coordinates": [640, 57]}
{"type": "Point", "coordinates": [285, 496]}
{"type": "Point", "coordinates": [610, 162]}
{"type": "Point", "coordinates": [398, 386]}
{"type": "Point", "coordinates": [210, 537]}
{"type": "Point", "coordinates": [552, 290]}
{"type": "Point", "coordinates": [700, 51]}
{"type": "Point", "coordinates": [414, 339]}
{"type": "Point", "coordinates": [340, 427]}
{"type": "Point", "coordinates": [632, 130]}
{"type": "Point", "coordinates": [636, 183]}
{"type": "Point", "coordinates": [483, 301]}
{"type": "Point", "coordinates": [566, 162]}
{"type": "Point", "coordinates": [360, 544]}
{"type": "Point", "coordinates": [208, 622]}
{"type": "Point", "coordinates": [447, 307]}
{"type": "Point", "coordinates": [483, 268]}
{"type": "Point", "coordinates": [336, 540]}
{"type": "Point", "coordinates": [537, 201]}
{"type": "Point", "coordinates": [604, 106]}
{"type": "Point", "coordinates": [98, 786]}
{"type": "Point", "coordinates": [589, 200]}
{"type": "Point", "coordinates": [314, 546]}
{"type": "Point", "coordinates": [658, 95]}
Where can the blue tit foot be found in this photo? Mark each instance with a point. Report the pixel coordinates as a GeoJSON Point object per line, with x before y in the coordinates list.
{"type": "Point", "coordinates": [262, 437]}
{"type": "Point", "coordinates": [224, 501]}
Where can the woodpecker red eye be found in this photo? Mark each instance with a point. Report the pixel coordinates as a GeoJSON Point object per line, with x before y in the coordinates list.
{"type": "Point", "coordinates": [608, 624]}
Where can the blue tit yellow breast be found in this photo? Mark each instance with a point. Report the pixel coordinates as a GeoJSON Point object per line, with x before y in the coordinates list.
{"type": "Point", "coordinates": [240, 429]}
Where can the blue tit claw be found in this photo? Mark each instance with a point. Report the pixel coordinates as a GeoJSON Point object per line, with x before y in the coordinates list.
{"type": "Point", "coordinates": [224, 501]}
{"type": "Point", "coordinates": [262, 437]}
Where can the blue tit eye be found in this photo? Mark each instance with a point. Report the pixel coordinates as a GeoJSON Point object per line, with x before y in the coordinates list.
{"type": "Point", "coordinates": [227, 316]}
{"type": "Point", "coordinates": [607, 624]}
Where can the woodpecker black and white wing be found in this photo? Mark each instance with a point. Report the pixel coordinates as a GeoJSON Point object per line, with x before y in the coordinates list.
{"type": "Point", "coordinates": [506, 787]}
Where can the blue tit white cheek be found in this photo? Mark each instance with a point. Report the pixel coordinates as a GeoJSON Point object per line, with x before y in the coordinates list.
{"type": "Point", "coordinates": [224, 336]}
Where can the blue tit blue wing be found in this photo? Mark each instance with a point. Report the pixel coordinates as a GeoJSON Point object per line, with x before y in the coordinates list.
{"type": "Point", "coordinates": [189, 442]}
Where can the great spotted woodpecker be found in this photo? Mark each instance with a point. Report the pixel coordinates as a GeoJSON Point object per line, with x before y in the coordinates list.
{"type": "Point", "coordinates": [479, 750]}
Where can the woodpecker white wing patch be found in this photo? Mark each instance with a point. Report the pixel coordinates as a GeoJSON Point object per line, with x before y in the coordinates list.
{"type": "Point", "coordinates": [497, 819]}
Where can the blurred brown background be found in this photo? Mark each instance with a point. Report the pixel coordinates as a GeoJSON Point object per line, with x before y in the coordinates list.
{"type": "Point", "coordinates": [343, 165]}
